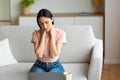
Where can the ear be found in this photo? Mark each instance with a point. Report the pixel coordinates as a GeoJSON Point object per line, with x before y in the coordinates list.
{"type": "Point", "coordinates": [52, 19]}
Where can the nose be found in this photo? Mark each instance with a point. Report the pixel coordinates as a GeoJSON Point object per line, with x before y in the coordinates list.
{"type": "Point", "coordinates": [44, 25]}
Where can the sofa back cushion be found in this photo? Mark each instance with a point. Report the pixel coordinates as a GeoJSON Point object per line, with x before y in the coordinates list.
{"type": "Point", "coordinates": [20, 41]}
{"type": "Point", "coordinates": [80, 40]}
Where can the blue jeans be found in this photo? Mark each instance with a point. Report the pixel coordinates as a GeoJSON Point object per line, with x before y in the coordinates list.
{"type": "Point", "coordinates": [40, 66]}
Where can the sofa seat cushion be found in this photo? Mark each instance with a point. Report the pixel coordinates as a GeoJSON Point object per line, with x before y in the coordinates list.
{"type": "Point", "coordinates": [78, 70]}
{"type": "Point", "coordinates": [19, 71]}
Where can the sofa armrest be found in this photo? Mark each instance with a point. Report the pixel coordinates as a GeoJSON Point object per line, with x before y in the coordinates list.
{"type": "Point", "coordinates": [96, 62]}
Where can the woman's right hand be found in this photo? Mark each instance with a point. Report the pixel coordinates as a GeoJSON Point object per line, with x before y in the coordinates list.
{"type": "Point", "coordinates": [43, 32]}
{"type": "Point", "coordinates": [39, 48]}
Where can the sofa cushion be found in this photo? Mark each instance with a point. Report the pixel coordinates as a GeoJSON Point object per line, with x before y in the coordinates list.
{"type": "Point", "coordinates": [80, 43]}
{"type": "Point", "coordinates": [6, 56]}
{"type": "Point", "coordinates": [78, 70]}
{"type": "Point", "coordinates": [20, 71]}
{"type": "Point", "coordinates": [20, 41]}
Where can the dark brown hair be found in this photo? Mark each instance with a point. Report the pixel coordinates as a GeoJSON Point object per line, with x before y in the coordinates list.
{"type": "Point", "coordinates": [44, 13]}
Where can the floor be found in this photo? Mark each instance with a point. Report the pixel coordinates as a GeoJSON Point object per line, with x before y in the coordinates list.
{"type": "Point", "coordinates": [111, 72]}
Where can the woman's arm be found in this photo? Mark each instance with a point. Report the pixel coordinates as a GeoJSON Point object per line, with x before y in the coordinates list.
{"type": "Point", "coordinates": [54, 47]}
{"type": "Point", "coordinates": [39, 46]}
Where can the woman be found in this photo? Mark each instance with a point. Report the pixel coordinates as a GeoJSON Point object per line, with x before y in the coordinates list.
{"type": "Point", "coordinates": [48, 41]}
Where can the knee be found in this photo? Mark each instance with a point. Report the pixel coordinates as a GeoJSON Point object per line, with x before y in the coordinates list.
{"type": "Point", "coordinates": [34, 69]}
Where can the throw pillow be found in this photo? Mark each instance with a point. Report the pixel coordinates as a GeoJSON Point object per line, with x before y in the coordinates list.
{"type": "Point", "coordinates": [6, 57]}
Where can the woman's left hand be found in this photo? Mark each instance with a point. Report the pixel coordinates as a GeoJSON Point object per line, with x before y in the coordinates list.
{"type": "Point", "coordinates": [52, 33]}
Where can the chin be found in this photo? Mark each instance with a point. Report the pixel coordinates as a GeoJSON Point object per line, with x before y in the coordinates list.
{"type": "Point", "coordinates": [47, 30]}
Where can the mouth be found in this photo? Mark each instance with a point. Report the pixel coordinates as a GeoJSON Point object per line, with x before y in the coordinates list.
{"type": "Point", "coordinates": [47, 30]}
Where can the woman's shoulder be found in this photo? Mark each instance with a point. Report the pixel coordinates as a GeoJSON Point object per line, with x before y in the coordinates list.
{"type": "Point", "coordinates": [36, 32]}
{"type": "Point", "coordinates": [60, 30]}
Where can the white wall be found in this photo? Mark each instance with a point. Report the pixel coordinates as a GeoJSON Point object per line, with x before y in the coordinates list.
{"type": "Point", "coordinates": [5, 12]}
{"type": "Point", "coordinates": [112, 32]}
{"type": "Point", "coordinates": [63, 6]}
{"type": "Point", "coordinates": [15, 10]}
{"type": "Point", "coordinates": [55, 6]}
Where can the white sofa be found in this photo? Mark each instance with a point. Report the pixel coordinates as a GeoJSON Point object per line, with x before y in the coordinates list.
{"type": "Point", "coordinates": [82, 55]}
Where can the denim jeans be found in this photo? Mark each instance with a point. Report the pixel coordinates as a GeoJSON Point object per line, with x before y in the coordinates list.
{"type": "Point", "coordinates": [40, 66]}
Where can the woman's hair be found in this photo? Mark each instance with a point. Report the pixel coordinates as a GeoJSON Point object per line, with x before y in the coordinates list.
{"type": "Point", "coordinates": [44, 13]}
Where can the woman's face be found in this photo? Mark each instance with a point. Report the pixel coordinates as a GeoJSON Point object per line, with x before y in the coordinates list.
{"type": "Point", "coordinates": [45, 23]}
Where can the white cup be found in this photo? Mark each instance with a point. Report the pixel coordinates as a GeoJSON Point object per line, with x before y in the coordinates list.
{"type": "Point", "coordinates": [68, 75]}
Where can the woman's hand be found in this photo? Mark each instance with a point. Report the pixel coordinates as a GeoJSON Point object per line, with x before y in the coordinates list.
{"type": "Point", "coordinates": [53, 47]}
{"type": "Point", "coordinates": [42, 32]}
{"type": "Point", "coordinates": [39, 47]}
{"type": "Point", "coordinates": [52, 33]}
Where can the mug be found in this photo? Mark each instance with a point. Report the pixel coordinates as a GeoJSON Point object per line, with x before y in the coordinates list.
{"type": "Point", "coordinates": [68, 75]}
